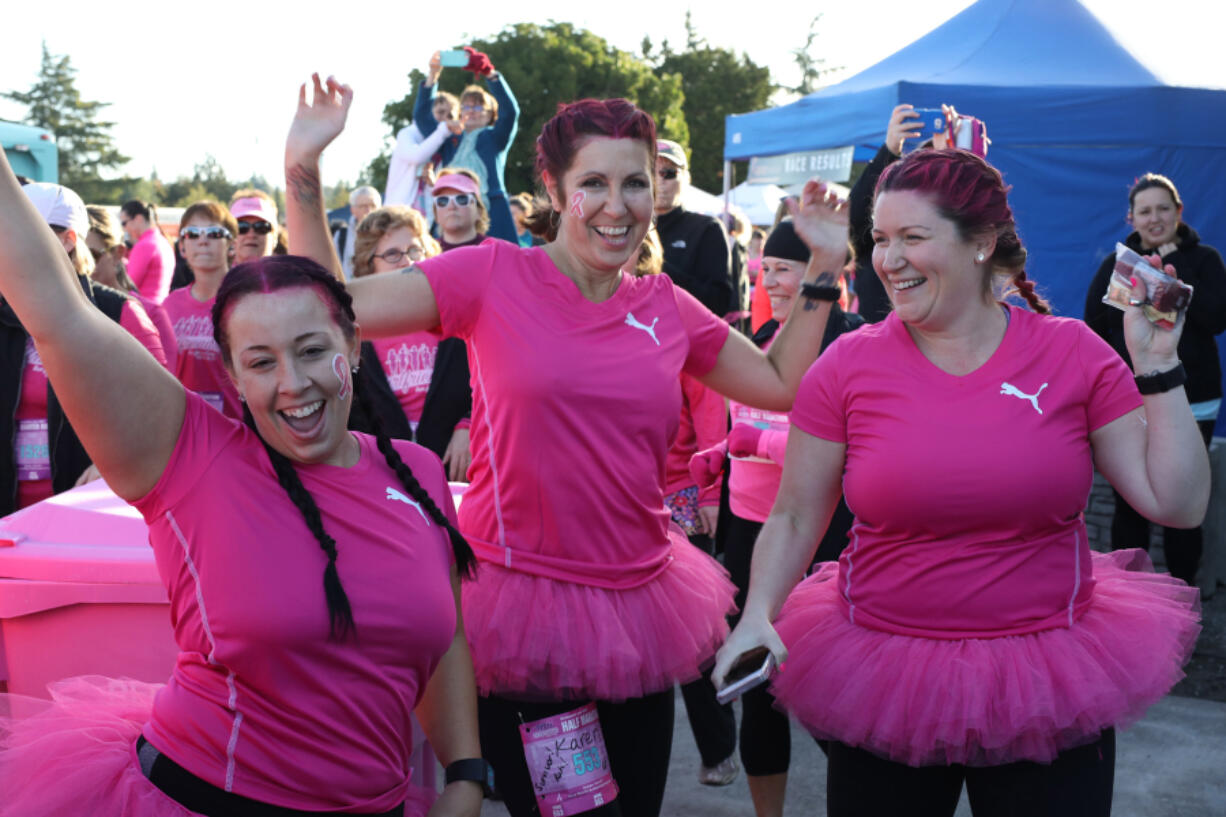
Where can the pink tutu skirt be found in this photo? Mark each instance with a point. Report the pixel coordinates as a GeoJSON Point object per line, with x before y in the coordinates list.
{"type": "Point", "coordinates": [75, 754]}
{"type": "Point", "coordinates": [989, 701]}
{"type": "Point", "coordinates": [544, 639]}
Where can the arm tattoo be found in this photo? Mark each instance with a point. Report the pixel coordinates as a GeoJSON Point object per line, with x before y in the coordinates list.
{"type": "Point", "coordinates": [303, 184]}
{"type": "Point", "coordinates": [412, 270]}
{"type": "Point", "coordinates": [825, 279]}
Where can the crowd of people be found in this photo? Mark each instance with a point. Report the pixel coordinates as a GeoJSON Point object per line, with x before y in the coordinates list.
{"type": "Point", "coordinates": [828, 465]}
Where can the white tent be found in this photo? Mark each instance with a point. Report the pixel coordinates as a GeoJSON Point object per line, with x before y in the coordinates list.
{"type": "Point", "coordinates": [757, 201]}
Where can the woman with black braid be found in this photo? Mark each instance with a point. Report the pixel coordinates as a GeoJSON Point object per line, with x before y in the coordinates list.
{"type": "Point", "coordinates": [284, 700]}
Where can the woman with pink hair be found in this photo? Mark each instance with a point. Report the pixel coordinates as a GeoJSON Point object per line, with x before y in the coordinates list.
{"type": "Point", "coordinates": [967, 634]}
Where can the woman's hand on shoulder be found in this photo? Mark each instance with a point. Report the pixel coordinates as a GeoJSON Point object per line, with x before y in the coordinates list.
{"type": "Point", "coordinates": [318, 122]}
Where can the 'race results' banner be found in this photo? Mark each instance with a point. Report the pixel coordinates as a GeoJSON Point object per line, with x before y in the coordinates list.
{"type": "Point", "coordinates": [833, 165]}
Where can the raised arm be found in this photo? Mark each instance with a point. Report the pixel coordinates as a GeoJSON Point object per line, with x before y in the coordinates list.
{"type": "Point", "coordinates": [508, 111]}
{"type": "Point", "coordinates": [770, 380]}
{"type": "Point", "coordinates": [423, 106]}
{"type": "Point", "coordinates": [386, 305]}
{"type": "Point", "coordinates": [1155, 456]}
{"type": "Point", "coordinates": [125, 408]}
{"type": "Point", "coordinates": [315, 125]}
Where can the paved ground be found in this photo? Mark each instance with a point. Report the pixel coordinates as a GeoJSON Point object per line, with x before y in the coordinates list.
{"type": "Point", "coordinates": [1169, 765]}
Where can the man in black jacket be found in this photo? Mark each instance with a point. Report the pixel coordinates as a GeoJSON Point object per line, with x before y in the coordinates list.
{"type": "Point", "coordinates": [696, 254]}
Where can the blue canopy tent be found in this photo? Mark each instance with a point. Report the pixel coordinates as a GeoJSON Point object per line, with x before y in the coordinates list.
{"type": "Point", "coordinates": [1073, 117]}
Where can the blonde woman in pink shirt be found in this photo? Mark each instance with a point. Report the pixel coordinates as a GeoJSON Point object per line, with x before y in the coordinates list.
{"type": "Point", "coordinates": [288, 698]}
{"type": "Point", "coordinates": [576, 369]}
{"type": "Point", "coordinates": [151, 261]}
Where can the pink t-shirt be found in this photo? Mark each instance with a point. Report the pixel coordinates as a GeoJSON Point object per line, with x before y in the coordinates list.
{"type": "Point", "coordinates": [261, 701]}
{"type": "Point", "coordinates": [151, 265]}
{"type": "Point", "coordinates": [161, 322]}
{"type": "Point", "coordinates": [408, 362]}
{"type": "Point", "coordinates": [33, 450]}
{"type": "Point", "coordinates": [967, 491]}
{"type": "Point", "coordinates": [753, 481]}
{"type": "Point", "coordinates": [704, 423]}
{"type": "Point", "coordinates": [199, 366]}
{"type": "Point", "coordinates": [575, 405]}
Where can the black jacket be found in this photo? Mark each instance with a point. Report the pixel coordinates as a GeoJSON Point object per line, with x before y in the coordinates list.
{"type": "Point", "coordinates": [448, 400]}
{"type": "Point", "coordinates": [68, 457]}
{"type": "Point", "coordinates": [697, 258]}
{"type": "Point", "coordinates": [874, 303]}
{"type": "Point", "coordinates": [1199, 265]}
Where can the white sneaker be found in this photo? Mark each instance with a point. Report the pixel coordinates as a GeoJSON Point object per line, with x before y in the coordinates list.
{"type": "Point", "coordinates": [722, 773]}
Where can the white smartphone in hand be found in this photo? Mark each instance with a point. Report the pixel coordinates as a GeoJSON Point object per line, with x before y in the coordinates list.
{"type": "Point", "coordinates": [752, 669]}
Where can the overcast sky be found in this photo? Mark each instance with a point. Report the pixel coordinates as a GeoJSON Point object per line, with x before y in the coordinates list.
{"type": "Point", "coordinates": [188, 80]}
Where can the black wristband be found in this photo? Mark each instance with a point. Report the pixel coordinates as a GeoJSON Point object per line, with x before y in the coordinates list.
{"type": "Point", "coordinates": [475, 769]}
{"type": "Point", "coordinates": [820, 292]}
{"type": "Point", "coordinates": [1159, 382]}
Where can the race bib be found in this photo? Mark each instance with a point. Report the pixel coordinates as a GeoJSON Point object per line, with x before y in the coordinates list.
{"type": "Point", "coordinates": [32, 450]}
{"type": "Point", "coordinates": [568, 763]}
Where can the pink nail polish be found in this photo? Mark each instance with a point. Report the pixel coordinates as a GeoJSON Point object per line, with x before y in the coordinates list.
{"type": "Point", "coordinates": [1133, 280]}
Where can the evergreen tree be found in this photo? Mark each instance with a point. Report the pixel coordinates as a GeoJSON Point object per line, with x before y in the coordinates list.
{"type": "Point", "coordinates": [85, 143]}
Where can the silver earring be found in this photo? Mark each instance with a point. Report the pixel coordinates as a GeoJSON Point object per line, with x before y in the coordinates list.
{"type": "Point", "coordinates": [242, 398]}
{"type": "Point", "coordinates": [979, 258]}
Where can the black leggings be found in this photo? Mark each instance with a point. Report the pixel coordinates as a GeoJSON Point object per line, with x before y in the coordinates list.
{"type": "Point", "coordinates": [638, 735]}
{"type": "Point", "coordinates": [1078, 783]}
{"type": "Point", "coordinates": [1182, 547]}
{"type": "Point", "coordinates": [766, 743]}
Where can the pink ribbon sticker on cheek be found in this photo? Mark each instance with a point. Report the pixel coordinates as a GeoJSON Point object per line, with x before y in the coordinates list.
{"type": "Point", "coordinates": [340, 367]}
{"type": "Point", "coordinates": [576, 203]}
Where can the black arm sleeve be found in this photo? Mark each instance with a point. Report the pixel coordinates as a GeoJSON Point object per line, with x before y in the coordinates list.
{"type": "Point", "coordinates": [1207, 311]}
{"type": "Point", "coordinates": [860, 216]}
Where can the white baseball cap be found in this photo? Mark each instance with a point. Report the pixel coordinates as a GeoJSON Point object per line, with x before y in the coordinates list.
{"type": "Point", "coordinates": [59, 206]}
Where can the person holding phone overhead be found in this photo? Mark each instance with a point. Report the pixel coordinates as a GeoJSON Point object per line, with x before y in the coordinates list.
{"type": "Point", "coordinates": [490, 119]}
{"type": "Point", "coordinates": [576, 369]}
{"type": "Point", "coordinates": [967, 633]}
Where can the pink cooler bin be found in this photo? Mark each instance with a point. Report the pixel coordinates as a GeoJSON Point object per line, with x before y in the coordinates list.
{"type": "Point", "coordinates": [80, 594]}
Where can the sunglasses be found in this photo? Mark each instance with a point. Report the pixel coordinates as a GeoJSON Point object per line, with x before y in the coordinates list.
{"type": "Point", "coordinates": [206, 232]}
{"type": "Point", "coordinates": [260, 227]}
{"type": "Point", "coordinates": [472, 108]}
{"type": "Point", "coordinates": [461, 200]}
{"type": "Point", "coordinates": [97, 254]}
{"type": "Point", "coordinates": [668, 173]}
{"type": "Point", "coordinates": [395, 255]}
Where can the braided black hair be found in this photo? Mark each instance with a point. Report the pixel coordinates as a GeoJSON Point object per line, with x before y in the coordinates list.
{"type": "Point", "coordinates": [286, 271]}
{"type": "Point", "coordinates": [340, 614]}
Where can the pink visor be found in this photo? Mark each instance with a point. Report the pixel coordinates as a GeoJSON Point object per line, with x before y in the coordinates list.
{"type": "Point", "coordinates": [455, 181]}
{"type": "Point", "coordinates": [257, 207]}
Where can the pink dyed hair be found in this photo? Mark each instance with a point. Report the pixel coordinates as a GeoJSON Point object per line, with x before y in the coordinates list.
{"type": "Point", "coordinates": [973, 195]}
{"type": "Point", "coordinates": [565, 134]}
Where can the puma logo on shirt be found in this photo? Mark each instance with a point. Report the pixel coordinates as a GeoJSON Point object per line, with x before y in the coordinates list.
{"type": "Point", "coordinates": [651, 330]}
{"type": "Point", "coordinates": [1014, 391]}
{"type": "Point", "coordinates": [393, 494]}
